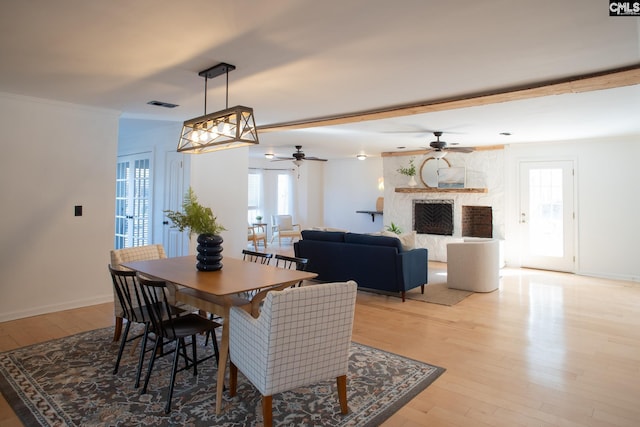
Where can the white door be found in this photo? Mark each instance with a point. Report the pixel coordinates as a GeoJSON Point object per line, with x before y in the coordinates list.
{"type": "Point", "coordinates": [175, 185]}
{"type": "Point", "coordinates": [133, 201]}
{"type": "Point", "coordinates": [547, 215]}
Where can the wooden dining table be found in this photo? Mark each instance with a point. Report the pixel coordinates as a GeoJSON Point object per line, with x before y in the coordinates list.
{"type": "Point", "coordinates": [217, 291]}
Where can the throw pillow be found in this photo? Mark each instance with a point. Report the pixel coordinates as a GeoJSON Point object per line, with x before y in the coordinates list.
{"type": "Point", "coordinates": [407, 240]}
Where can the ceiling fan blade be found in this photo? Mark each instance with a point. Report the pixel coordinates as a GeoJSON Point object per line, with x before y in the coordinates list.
{"type": "Point", "coordinates": [317, 159]}
{"type": "Point", "coordinates": [279, 159]}
{"type": "Point", "coordinates": [460, 149]}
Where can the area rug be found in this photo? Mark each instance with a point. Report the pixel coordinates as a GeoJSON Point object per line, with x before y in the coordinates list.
{"type": "Point", "coordinates": [438, 293]}
{"type": "Point", "coordinates": [69, 382]}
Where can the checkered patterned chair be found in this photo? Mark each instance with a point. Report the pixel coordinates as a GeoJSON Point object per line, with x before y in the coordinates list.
{"type": "Point", "coordinates": [138, 253]}
{"type": "Point", "coordinates": [302, 336]}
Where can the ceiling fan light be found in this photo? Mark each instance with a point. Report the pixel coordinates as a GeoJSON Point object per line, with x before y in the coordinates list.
{"type": "Point", "coordinates": [439, 154]}
{"type": "Point", "coordinates": [269, 156]}
{"type": "Point", "coordinates": [361, 156]}
{"type": "Point", "coordinates": [298, 163]}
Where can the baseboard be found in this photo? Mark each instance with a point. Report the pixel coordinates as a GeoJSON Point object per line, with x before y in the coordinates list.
{"type": "Point", "coordinates": [67, 305]}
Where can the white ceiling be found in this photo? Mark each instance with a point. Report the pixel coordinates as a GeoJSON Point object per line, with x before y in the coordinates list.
{"type": "Point", "coordinates": [301, 59]}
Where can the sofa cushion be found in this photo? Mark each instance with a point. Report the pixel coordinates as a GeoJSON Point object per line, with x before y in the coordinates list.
{"type": "Point", "coordinates": [408, 240]}
{"type": "Point", "coordinates": [325, 236]}
{"type": "Point", "coordinates": [365, 239]}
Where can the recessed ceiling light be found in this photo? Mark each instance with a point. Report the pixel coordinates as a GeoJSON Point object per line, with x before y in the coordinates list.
{"type": "Point", "coordinates": [361, 156]}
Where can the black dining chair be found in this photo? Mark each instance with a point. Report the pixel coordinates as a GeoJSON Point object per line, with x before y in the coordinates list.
{"type": "Point", "coordinates": [134, 310]}
{"type": "Point", "coordinates": [174, 329]}
{"type": "Point", "coordinates": [253, 256]}
{"type": "Point", "coordinates": [290, 262]}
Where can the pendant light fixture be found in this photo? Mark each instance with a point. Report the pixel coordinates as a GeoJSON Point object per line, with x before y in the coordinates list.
{"type": "Point", "coordinates": [229, 128]}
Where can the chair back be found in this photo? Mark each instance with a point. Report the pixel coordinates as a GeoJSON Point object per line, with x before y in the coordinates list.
{"type": "Point", "coordinates": [154, 293]}
{"type": "Point", "coordinates": [282, 222]}
{"type": "Point", "coordinates": [290, 261]}
{"type": "Point", "coordinates": [127, 289]}
{"type": "Point", "coordinates": [137, 253]}
{"type": "Point", "coordinates": [302, 336]}
{"type": "Point", "coordinates": [253, 256]}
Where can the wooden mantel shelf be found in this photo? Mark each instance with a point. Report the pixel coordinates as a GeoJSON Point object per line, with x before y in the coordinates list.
{"type": "Point", "coordinates": [440, 190]}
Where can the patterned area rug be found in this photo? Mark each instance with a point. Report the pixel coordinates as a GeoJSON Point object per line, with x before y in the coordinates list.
{"type": "Point", "coordinates": [69, 382]}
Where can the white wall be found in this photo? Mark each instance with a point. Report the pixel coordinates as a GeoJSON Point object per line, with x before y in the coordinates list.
{"type": "Point", "coordinates": [352, 185]}
{"type": "Point", "coordinates": [220, 181]}
{"type": "Point", "coordinates": [55, 156]}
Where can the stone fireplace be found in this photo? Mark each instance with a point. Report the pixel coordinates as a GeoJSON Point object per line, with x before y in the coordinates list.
{"type": "Point", "coordinates": [433, 217]}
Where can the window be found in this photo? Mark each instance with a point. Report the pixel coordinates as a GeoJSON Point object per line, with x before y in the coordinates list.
{"type": "Point", "coordinates": [255, 196]}
{"type": "Point", "coordinates": [285, 202]}
{"type": "Point", "coordinates": [133, 202]}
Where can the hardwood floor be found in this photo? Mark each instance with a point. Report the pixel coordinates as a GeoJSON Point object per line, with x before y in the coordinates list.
{"type": "Point", "coordinates": [546, 349]}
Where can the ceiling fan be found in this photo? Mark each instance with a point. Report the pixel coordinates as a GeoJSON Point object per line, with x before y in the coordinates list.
{"type": "Point", "coordinates": [439, 148]}
{"type": "Point", "coordinates": [299, 156]}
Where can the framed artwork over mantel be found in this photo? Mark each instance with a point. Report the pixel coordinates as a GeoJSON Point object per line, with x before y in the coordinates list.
{"type": "Point", "coordinates": [451, 177]}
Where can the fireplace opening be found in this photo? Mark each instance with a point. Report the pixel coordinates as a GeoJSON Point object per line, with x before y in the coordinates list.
{"type": "Point", "coordinates": [477, 221]}
{"type": "Point", "coordinates": [433, 217]}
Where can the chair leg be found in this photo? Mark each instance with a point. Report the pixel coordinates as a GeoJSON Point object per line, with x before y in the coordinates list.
{"type": "Point", "coordinates": [422, 288]}
{"type": "Point", "coordinates": [154, 354]}
{"type": "Point", "coordinates": [194, 355]}
{"type": "Point", "coordinates": [118, 329]}
{"type": "Point", "coordinates": [267, 415]}
{"type": "Point", "coordinates": [233, 379]}
{"type": "Point", "coordinates": [174, 370]}
{"type": "Point", "coordinates": [143, 348]}
{"type": "Point", "coordinates": [121, 349]}
{"type": "Point", "coordinates": [402, 293]}
{"type": "Point", "coordinates": [215, 346]}
{"type": "Point", "coordinates": [342, 393]}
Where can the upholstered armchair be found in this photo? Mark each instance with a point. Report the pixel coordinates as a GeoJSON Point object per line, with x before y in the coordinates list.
{"type": "Point", "coordinates": [301, 336]}
{"type": "Point", "coordinates": [255, 233]}
{"type": "Point", "coordinates": [283, 226]}
{"type": "Point", "coordinates": [473, 265]}
{"type": "Point", "coordinates": [138, 253]}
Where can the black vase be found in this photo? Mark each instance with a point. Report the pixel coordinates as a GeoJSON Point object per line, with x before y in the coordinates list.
{"type": "Point", "coordinates": [209, 252]}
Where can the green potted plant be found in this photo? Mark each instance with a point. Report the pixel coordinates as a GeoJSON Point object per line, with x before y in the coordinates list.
{"type": "Point", "coordinates": [259, 218]}
{"type": "Point", "coordinates": [394, 229]}
{"type": "Point", "coordinates": [200, 220]}
{"type": "Point", "coordinates": [409, 171]}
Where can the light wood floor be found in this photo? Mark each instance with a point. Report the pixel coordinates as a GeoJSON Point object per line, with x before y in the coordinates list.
{"type": "Point", "coordinates": [546, 349]}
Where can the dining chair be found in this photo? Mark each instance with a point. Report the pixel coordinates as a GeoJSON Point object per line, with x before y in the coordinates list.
{"type": "Point", "coordinates": [255, 234]}
{"type": "Point", "coordinates": [253, 256]}
{"type": "Point", "coordinates": [289, 262]}
{"type": "Point", "coordinates": [137, 253]}
{"type": "Point", "coordinates": [169, 328]}
{"type": "Point", "coordinates": [128, 293]}
{"type": "Point", "coordinates": [301, 336]}
{"type": "Point", "coordinates": [283, 226]}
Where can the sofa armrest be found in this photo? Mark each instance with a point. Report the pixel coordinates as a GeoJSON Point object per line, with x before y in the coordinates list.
{"type": "Point", "coordinates": [413, 266]}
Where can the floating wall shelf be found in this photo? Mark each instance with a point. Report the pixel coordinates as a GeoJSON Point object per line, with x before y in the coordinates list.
{"type": "Point", "coordinates": [372, 213]}
{"type": "Point", "coordinates": [440, 190]}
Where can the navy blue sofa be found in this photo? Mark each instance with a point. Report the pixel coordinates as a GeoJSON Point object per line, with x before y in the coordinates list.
{"type": "Point", "coordinates": [374, 262]}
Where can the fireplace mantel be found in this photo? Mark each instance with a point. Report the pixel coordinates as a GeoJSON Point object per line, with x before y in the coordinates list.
{"type": "Point", "coordinates": [439, 190]}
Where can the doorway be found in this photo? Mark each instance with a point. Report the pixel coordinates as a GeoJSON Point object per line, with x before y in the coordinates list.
{"type": "Point", "coordinates": [547, 215]}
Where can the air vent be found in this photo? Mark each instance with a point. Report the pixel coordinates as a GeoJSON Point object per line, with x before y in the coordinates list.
{"type": "Point", "coordinates": [162, 104]}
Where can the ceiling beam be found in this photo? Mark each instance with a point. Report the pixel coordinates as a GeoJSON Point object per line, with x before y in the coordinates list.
{"type": "Point", "coordinates": [609, 79]}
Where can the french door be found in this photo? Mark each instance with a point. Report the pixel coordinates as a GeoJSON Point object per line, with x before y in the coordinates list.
{"type": "Point", "coordinates": [547, 215]}
{"type": "Point", "coordinates": [133, 201]}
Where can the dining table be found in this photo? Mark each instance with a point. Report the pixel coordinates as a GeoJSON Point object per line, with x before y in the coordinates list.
{"type": "Point", "coordinates": [217, 291]}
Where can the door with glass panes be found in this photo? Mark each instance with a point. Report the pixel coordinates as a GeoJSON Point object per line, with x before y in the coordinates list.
{"type": "Point", "coordinates": [133, 201]}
